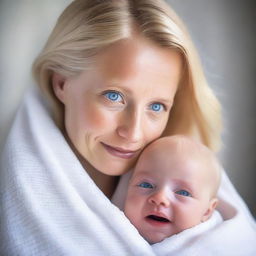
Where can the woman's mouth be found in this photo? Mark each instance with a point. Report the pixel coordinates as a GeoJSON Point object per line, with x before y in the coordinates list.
{"type": "Point", "coordinates": [120, 152]}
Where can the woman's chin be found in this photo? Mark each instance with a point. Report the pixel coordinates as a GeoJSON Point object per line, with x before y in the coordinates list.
{"type": "Point", "coordinates": [106, 163]}
{"type": "Point", "coordinates": [115, 170]}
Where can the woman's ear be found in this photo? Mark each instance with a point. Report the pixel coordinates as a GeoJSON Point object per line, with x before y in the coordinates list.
{"type": "Point", "coordinates": [58, 83]}
{"type": "Point", "coordinates": [212, 205]}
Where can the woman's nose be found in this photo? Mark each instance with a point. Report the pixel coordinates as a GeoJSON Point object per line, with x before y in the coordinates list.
{"type": "Point", "coordinates": [160, 198]}
{"type": "Point", "coordinates": [131, 126]}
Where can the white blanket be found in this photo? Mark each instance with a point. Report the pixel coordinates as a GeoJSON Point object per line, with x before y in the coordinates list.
{"type": "Point", "coordinates": [50, 206]}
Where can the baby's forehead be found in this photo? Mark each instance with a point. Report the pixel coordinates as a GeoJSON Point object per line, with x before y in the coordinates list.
{"type": "Point", "coordinates": [175, 163]}
{"type": "Point", "coordinates": [179, 150]}
{"type": "Point", "coordinates": [178, 145]}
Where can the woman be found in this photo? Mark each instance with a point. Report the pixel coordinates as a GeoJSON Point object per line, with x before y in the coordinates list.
{"type": "Point", "coordinates": [116, 75]}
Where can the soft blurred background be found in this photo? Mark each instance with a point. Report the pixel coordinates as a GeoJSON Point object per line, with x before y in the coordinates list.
{"type": "Point", "coordinates": [224, 32]}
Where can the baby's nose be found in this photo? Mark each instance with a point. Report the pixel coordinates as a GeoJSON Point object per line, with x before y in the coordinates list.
{"type": "Point", "coordinates": [160, 197]}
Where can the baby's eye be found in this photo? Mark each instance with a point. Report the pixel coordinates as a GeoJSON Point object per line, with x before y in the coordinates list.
{"type": "Point", "coordinates": [145, 185]}
{"type": "Point", "coordinates": [183, 192]}
{"type": "Point", "coordinates": [157, 107]}
{"type": "Point", "coordinates": [113, 96]}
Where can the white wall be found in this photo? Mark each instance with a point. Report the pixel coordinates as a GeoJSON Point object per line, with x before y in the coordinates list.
{"type": "Point", "coordinates": [224, 33]}
{"type": "Point", "coordinates": [24, 28]}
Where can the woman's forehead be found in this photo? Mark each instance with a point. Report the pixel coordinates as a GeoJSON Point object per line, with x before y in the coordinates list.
{"type": "Point", "coordinates": [130, 56]}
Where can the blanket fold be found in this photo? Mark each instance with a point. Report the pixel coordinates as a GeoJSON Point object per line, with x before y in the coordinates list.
{"type": "Point", "coordinates": [50, 206]}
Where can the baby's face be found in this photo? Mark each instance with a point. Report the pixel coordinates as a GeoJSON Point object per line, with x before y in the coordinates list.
{"type": "Point", "coordinates": [167, 194]}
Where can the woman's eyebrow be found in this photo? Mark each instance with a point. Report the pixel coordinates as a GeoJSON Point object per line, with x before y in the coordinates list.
{"type": "Point", "coordinates": [121, 86]}
{"type": "Point", "coordinates": [163, 100]}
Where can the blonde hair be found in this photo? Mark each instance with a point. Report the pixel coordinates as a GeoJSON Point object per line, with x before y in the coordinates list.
{"type": "Point", "coordinates": [87, 26]}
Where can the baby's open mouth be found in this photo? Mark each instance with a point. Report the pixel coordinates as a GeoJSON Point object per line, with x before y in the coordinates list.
{"type": "Point", "coordinates": [157, 218]}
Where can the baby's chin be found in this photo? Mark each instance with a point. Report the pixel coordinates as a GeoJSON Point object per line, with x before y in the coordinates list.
{"type": "Point", "coordinates": [155, 238]}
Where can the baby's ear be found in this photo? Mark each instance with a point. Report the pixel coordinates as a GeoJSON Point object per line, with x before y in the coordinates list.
{"type": "Point", "coordinates": [58, 83]}
{"type": "Point", "coordinates": [212, 205]}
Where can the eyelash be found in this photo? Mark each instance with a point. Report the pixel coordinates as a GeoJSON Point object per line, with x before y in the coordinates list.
{"type": "Point", "coordinates": [106, 93]}
{"type": "Point", "coordinates": [118, 94]}
{"type": "Point", "coordinates": [164, 108]}
{"type": "Point", "coordinates": [186, 192]}
{"type": "Point", "coordinates": [145, 183]}
{"type": "Point", "coordinates": [148, 185]}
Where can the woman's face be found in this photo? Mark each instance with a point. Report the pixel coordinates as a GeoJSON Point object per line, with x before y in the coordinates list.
{"type": "Point", "coordinates": [121, 104]}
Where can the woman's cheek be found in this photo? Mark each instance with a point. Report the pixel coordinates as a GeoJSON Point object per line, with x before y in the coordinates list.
{"type": "Point", "coordinates": [154, 131]}
{"type": "Point", "coordinates": [97, 118]}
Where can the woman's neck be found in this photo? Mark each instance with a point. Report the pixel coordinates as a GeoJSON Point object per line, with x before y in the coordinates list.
{"type": "Point", "coordinates": [106, 183]}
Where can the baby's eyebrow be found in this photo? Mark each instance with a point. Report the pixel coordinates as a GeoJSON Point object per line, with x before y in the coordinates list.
{"type": "Point", "coordinates": [140, 175]}
{"type": "Point", "coordinates": [184, 184]}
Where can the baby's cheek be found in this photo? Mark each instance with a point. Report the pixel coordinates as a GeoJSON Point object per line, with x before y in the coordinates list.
{"type": "Point", "coordinates": [132, 200]}
{"type": "Point", "coordinates": [132, 208]}
{"type": "Point", "coordinates": [189, 217]}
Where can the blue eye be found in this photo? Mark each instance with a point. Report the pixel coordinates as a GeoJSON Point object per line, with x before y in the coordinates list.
{"type": "Point", "coordinates": [145, 185]}
{"type": "Point", "coordinates": [157, 107]}
{"type": "Point", "coordinates": [114, 96]}
{"type": "Point", "coordinates": [183, 193]}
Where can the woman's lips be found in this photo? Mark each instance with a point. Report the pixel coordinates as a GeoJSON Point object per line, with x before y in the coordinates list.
{"type": "Point", "coordinates": [119, 152]}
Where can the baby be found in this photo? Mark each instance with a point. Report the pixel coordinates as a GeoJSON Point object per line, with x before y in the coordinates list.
{"type": "Point", "coordinates": [173, 188]}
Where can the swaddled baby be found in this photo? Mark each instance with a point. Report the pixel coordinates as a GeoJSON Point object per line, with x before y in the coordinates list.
{"type": "Point", "coordinates": [173, 187]}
